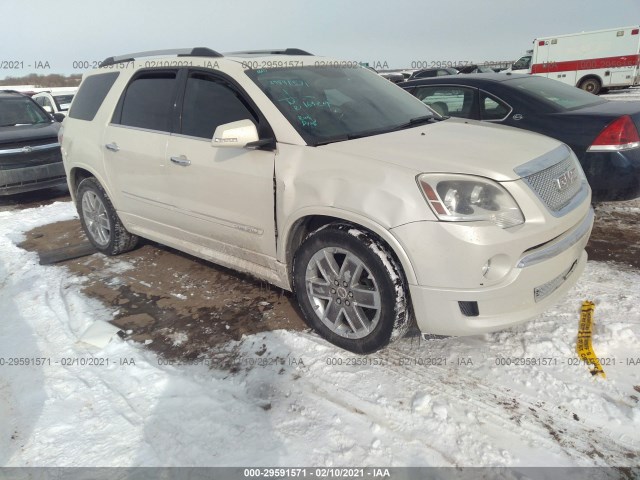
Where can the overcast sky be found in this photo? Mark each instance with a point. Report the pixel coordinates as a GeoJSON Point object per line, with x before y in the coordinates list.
{"type": "Point", "coordinates": [380, 32]}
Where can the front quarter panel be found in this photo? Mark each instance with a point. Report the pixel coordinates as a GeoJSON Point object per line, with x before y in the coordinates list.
{"type": "Point", "coordinates": [374, 194]}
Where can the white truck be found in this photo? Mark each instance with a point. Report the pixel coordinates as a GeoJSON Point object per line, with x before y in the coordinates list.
{"type": "Point", "coordinates": [593, 61]}
{"type": "Point", "coordinates": [55, 100]}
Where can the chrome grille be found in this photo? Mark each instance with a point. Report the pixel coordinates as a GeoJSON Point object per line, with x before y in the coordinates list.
{"type": "Point", "coordinates": [543, 291]}
{"type": "Point", "coordinates": [31, 142]}
{"type": "Point", "coordinates": [558, 184]}
{"type": "Point", "coordinates": [39, 155]}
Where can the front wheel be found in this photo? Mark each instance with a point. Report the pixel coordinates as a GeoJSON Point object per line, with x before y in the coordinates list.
{"type": "Point", "coordinates": [350, 288]}
{"type": "Point", "coordinates": [100, 220]}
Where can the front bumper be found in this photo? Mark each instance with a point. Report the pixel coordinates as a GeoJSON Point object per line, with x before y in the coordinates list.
{"type": "Point", "coordinates": [26, 179]}
{"type": "Point", "coordinates": [524, 289]}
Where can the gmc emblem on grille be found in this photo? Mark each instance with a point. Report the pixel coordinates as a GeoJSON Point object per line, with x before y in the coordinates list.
{"type": "Point", "coordinates": [566, 179]}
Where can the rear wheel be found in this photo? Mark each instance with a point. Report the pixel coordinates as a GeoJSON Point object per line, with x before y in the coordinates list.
{"type": "Point", "coordinates": [591, 85]}
{"type": "Point", "coordinates": [100, 220]}
{"type": "Point", "coordinates": [350, 288]}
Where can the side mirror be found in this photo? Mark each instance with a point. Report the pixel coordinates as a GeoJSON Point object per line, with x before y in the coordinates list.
{"type": "Point", "coordinates": [235, 134]}
{"type": "Point", "coordinates": [58, 117]}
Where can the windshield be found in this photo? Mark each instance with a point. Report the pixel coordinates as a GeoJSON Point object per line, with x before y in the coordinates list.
{"type": "Point", "coordinates": [522, 63]}
{"type": "Point", "coordinates": [63, 101]}
{"type": "Point", "coordinates": [330, 104]}
{"type": "Point", "coordinates": [20, 111]}
{"type": "Point", "coordinates": [559, 95]}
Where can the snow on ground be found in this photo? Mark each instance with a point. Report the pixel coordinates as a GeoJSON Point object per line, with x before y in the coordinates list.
{"type": "Point", "coordinates": [632, 93]}
{"type": "Point", "coordinates": [295, 400]}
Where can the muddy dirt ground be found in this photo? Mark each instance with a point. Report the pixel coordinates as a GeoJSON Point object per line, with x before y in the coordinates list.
{"type": "Point", "coordinates": [184, 307]}
{"type": "Point", "coordinates": [616, 234]}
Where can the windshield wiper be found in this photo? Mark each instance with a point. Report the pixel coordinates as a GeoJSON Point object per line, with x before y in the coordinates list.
{"type": "Point", "coordinates": [351, 136]}
{"type": "Point", "coordinates": [379, 131]}
{"type": "Point", "coordinates": [338, 138]}
{"type": "Point", "coordinates": [419, 121]}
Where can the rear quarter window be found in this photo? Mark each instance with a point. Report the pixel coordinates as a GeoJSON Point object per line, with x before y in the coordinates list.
{"type": "Point", "coordinates": [91, 94]}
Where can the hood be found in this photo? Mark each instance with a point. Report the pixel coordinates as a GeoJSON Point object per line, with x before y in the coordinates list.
{"type": "Point", "coordinates": [453, 146]}
{"type": "Point", "coordinates": [27, 133]}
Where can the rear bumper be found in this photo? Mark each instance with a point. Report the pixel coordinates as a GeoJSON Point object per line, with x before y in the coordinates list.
{"type": "Point", "coordinates": [19, 180]}
{"type": "Point", "coordinates": [613, 175]}
{"type": "Point", "coordinates": [537, 281]}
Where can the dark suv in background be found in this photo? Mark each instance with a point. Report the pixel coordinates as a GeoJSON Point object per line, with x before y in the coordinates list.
{"type": "Point", "coordinates": [29, 150]}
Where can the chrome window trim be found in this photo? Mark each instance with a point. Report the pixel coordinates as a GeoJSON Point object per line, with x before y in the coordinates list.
{"type": "Point", "coordinates": [192, 137]}
{"type": "Point", "coordinates": [478, 89]}
{"type": "Point", "coordinates": [140, 129]}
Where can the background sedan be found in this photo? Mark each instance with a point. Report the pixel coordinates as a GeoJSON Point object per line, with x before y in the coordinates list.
{"type": "Point", "coordinates": [433, 72]}
{"type": "Point", "coordinates": [603, 134]}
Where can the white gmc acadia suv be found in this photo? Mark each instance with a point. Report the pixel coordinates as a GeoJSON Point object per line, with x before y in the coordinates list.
{"type": "Point", "coordinates": [323, 178]}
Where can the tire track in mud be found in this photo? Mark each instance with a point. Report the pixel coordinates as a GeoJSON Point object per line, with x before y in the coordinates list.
{"type": "Point", "coordinates": [492, 404]}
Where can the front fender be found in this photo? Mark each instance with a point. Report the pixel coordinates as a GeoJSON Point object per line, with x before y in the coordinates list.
{"type": "Point", "coordinates": [285, 240]}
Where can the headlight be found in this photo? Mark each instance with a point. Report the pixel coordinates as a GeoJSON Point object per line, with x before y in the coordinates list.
{"type": "Point", "coordinates": [465, 198]}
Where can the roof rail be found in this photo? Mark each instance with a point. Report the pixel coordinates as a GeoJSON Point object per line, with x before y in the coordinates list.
{"type": "Point", "coordinates": [179, 52]}
{"type": "Point", "coordinates": [286, 51]}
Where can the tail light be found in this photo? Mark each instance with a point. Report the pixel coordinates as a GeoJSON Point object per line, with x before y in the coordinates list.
{"type": "Point", "coordinates": [621, 134]}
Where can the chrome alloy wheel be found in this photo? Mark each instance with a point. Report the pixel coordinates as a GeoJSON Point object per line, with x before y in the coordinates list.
{"type": "Point", "coordinates": [343, 292]}
{"type": "Point", "coordinates": [96, 218]}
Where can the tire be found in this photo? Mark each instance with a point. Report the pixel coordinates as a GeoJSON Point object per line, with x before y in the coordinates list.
{"type": "Point", "coordinates": [350, 288]}
{"type": "Point", "coordinates": [591, 85]}
{"type": "Point", "coordinates": [100, 220]}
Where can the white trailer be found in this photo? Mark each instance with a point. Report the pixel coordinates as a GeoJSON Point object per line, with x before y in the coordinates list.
{"type": "Point", "coordinates": [590, 60]}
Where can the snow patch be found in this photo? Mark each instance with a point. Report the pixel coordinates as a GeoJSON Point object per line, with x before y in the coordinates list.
{"type": "Point", "coordinates": [413, 404]}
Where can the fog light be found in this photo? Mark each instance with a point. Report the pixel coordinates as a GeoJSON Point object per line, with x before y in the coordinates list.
{"type": "Point", "coordinates": [496, 267]}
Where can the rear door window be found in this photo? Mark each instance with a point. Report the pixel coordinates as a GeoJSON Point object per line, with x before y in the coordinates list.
{"type": "Point", "coordinates": [148, 101]}
{"type": "Point", "coordinates": [449, 101]}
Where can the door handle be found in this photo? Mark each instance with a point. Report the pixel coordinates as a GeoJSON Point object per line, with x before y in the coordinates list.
{"type": "Point", "coordinates": [181, 160]}
{"type": "Point", "coordinates": [112, 146]}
